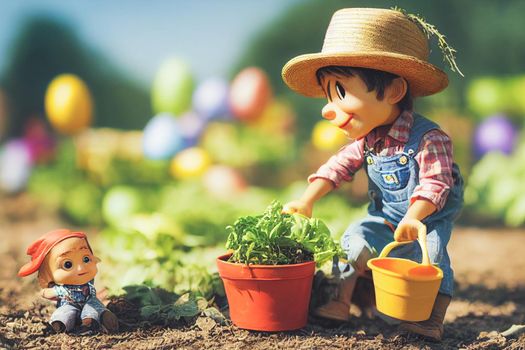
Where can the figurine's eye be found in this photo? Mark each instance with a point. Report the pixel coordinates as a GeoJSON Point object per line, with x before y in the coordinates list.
{"type": "Point", "coordinates": [86, 259]}
{"type": "Point", "coordinates": [67, 265]}
{"type": "Point", "coordinates": [340, 90]}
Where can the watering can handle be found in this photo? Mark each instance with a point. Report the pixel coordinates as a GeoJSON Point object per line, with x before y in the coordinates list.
{"type": "Point", "coordinates": [422, 239]}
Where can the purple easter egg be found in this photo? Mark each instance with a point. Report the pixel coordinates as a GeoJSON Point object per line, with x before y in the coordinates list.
{"type": "Point", "coordinates": [39, 141]}
{"type": "Point", "coordinates": [15, 166]}
{"type": "Point", "coordinates": [495, 133]}
{"type": "Point", "coordinates": [191, 127]}
{"type": "Point", "coordinates": [210, 99]}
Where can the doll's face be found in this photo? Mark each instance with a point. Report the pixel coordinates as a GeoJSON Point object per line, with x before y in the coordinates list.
{"type": "Point", "coordinates": [353, 108]}
{"type": "Point", "coordinates": [71, 262]}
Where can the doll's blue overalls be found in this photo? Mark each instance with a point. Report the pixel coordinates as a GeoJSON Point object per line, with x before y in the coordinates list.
{"type": "Point", "coordinates": [391, 182]}
{"type": "Point", "coordinates": [75, 303]}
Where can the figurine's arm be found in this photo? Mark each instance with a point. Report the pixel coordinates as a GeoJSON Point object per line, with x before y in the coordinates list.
{"type": "Point", "coordinates": [340, 167]}
{"type": "Point", "coordinates": [48, 293]}
{"type": "Point", "coordinates": [317, 189]}
{"type": "Point", "coordinates": [418, 210]}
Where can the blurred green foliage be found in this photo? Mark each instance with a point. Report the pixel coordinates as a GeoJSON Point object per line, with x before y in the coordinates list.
{"type": "Point", "coordinates": [156, 230]}
{"type": "Point", "coordinates": [496, 197]}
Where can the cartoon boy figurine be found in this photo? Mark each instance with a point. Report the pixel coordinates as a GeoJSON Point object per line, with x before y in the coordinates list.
{"type": "Point", "coordinates": [66, 270]}
{"type": "Point", "coordinates": [372, 64]}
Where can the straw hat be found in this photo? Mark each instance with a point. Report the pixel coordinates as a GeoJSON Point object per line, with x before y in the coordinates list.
{"type": "Point", "coordinates": [380, 39]}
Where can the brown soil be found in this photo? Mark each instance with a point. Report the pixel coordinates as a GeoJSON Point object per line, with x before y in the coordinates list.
{"type": "Point", "coordinates": [490, 298]}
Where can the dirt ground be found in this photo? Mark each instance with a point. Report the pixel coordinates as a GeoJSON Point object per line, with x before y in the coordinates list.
{"type": "Point", "coordinates": [490, 298]}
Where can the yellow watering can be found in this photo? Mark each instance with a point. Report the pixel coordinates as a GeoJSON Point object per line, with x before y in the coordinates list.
{"type": "Point", "coordinates": [405, 289]}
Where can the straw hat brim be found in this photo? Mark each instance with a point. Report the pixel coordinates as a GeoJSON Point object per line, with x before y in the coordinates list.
{"type": "Point", "coordinates": [423, 78]}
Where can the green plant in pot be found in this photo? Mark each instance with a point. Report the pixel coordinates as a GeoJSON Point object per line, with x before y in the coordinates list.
{"type": "Point", "coordinates": [268, 273]}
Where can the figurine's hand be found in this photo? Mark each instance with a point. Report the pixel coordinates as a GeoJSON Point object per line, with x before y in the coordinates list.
{"type": "Point", "coordinates": [407, 230]}
{"type": "Point", "coordinates": [298, 206]}
{"type": "Point", "coordinates": [48, 293]}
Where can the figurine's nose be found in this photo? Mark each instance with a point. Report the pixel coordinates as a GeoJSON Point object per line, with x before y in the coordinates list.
{"type": "Point", "coordinates": [328, 112]}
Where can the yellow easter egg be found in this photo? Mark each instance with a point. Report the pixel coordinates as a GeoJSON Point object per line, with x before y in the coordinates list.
{"type": "Point", "coordinates": [189, 163]}
{"type": "Point", "coordinates": [278, 117]}
{"type": "Point", "coordinates": [328, 137]}
{"type": "Point", "coordinates": [68, 104]}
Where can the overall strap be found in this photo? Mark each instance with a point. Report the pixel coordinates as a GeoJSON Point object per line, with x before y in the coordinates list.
{"type": "Point", "coordinates": [366, 149]}
{"type": "Point", "coordinates": [420, 127]}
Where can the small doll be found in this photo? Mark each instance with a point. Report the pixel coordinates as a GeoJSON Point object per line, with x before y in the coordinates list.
{"type": "Point", "coordinates": [66, 270]}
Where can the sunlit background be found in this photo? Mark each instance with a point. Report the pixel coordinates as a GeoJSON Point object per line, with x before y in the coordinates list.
{"type": "Point", "coordinates": [157, 124]}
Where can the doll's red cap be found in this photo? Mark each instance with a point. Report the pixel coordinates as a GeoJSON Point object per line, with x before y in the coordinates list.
{"type": "Point", "coordinates": [39, 249]}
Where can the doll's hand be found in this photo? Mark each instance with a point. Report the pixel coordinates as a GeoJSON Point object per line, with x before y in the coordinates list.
{"type": "Point", "coordinates": [407, 230]}
{"type": "Point", "coordinates": [48, 293]}
{"type": "Point", "coordinates": [298, 206]}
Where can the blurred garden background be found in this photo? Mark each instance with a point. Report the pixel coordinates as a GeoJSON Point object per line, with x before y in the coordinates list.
{"type": "Point", "coordinates": [154, 125]}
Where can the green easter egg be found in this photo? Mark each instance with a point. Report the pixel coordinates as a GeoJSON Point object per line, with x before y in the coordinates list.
{"type": "Point", "coordinates": [172, 88]}
{"type": "Point", "coordinates": [119, 204]}
{"type": "Point", "coordinates": [486, 96]}
{"type": "Point", "coordinates": [515, 88]}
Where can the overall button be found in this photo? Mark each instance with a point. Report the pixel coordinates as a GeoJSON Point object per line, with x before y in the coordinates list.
{"type": "Point", "coordinates": [403, 160]}
{"type": "Point", "coordinates": [369, 160]}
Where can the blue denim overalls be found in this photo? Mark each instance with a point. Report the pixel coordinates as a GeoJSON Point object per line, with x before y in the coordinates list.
{"type": "Point", "coordinates": [76, 302]}
{"type": "Point", "coordinates": [391, 182]}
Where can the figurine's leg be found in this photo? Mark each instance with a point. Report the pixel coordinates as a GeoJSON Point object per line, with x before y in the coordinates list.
{"type": "Point", "coordinates": [364, 240]}
{"type": "Point", "coordinates": [360, 241]}
{"type": "Point", "coordinates": [96, 311]}
{"type": "Point", "coordinates": [64, 318]}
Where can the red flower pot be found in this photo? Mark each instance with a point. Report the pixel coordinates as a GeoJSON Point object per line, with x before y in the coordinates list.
{"type": "Point", "coordinates": [267, 297]}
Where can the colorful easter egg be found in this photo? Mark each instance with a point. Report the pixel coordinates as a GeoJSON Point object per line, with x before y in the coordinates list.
{"type": "Point", "coordinates": [495, 133]}
{"type": "Point", "coordinates": [249, 94]}
{"type": "Point", "coordinates": [277, 117]}
{"type": "Point", "coordinates": [189, 163]}
{"type": "Point", "coordinates": [224, 182]}
{"type": "Point", "coordinates": [515, 87]}
{"type": "Point", "coordinates": [68, 104]}
{"type": "Point", "coordinates": [120, 203]}
{"type": "Point", "coordinates": [210, 99]}
{"type": "Point", "coordinates": [191, 128]}
{"type": "Point", "coordinates": [328, 137]}
{"type": "Point", "coordinates": [15, 166]}
{"type": "Point", "coordinates": [172, 88]}
{"type": "Point", "coordinates": [37, 137]}
{"type": "Point", "coordinates": [162, 137]}
{"type": "Point", "coordinates": [486, 96]}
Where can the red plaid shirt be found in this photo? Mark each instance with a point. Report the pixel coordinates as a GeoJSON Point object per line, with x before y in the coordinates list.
{"type": "Point", "coordinates": [434, 157]}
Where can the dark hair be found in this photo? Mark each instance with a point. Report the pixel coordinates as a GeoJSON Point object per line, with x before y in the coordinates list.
{"type": "Point", "coordinates": [375, 80]}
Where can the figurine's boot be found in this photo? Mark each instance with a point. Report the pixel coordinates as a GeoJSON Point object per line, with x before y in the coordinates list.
{"type": "Point", "coordinates": [338, 307]}
{"type": "Point", "coordinates": [88, 327]}
{"type": "Point", "coordinates": [109, 322]}
{"type": "Point", "coordinates": [58, 327]}
{"type": "Point", "coordinates": [364, 296]}
{"type": "Point", "coordinates": [433, 327]}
